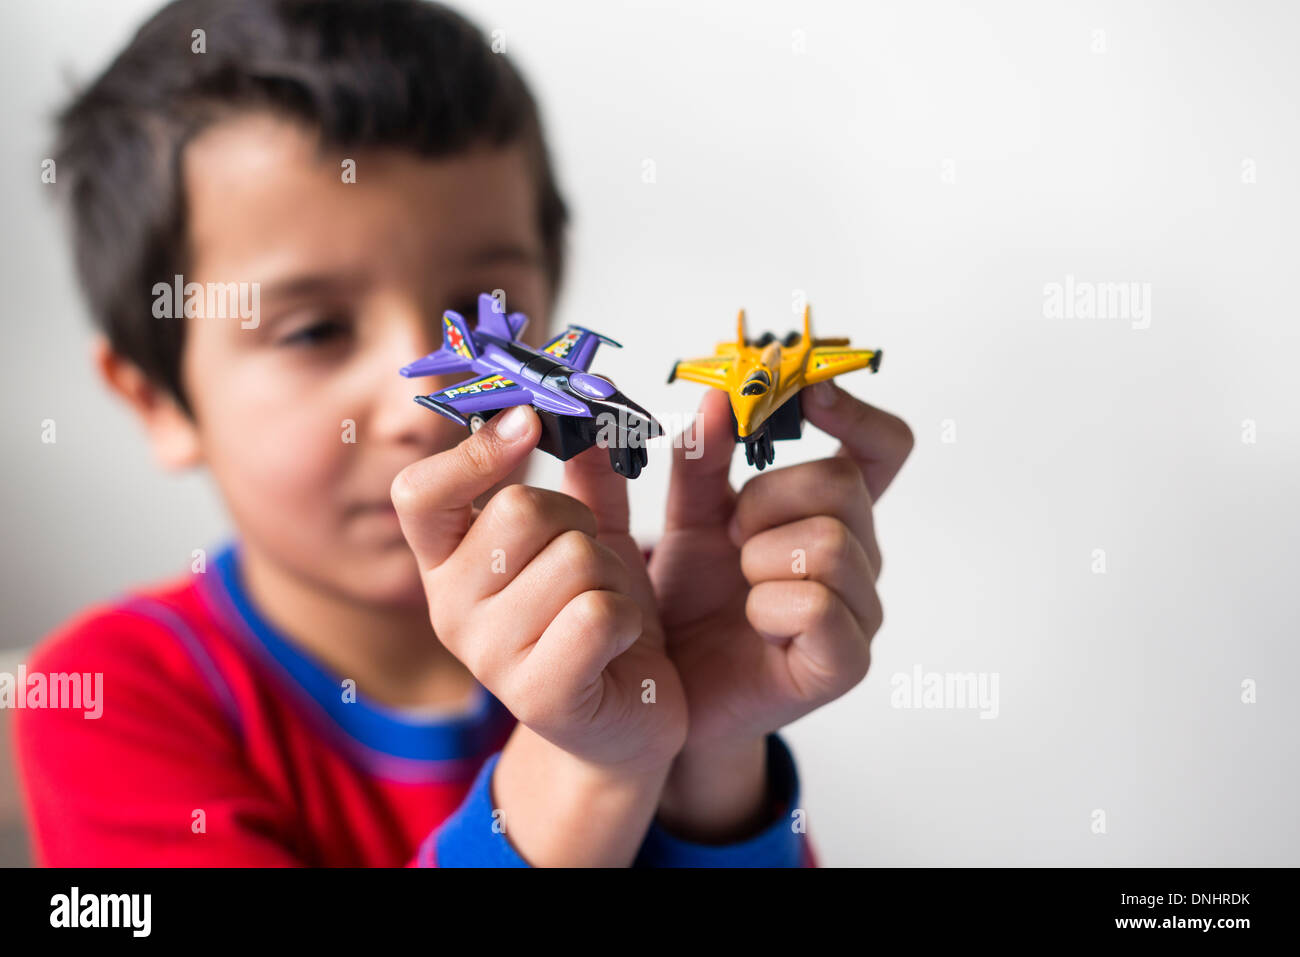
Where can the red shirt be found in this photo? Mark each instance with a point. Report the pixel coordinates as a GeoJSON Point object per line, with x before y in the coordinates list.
{"type": "Point", "coordinates": [221, 742]}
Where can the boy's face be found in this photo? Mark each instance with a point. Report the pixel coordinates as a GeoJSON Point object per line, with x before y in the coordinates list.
{"type": "Point", "coordinates": [304, 420]}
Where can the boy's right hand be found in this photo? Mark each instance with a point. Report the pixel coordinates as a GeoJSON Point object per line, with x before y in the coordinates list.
{"type": "Point", "coordinates": [555, 624]}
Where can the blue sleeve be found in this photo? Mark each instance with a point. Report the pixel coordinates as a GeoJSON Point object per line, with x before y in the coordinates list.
{"type": "Point", "coordinates": [780, 844]}
{"type": "Point", "coordinates": [472, 836]}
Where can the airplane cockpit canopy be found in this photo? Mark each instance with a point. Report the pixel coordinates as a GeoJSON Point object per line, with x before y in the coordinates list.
{"type": "Point", "coordinates": [756, 383]}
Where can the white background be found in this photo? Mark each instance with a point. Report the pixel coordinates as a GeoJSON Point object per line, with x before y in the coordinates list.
{"type": "Point", "coordinates": [803, 147]}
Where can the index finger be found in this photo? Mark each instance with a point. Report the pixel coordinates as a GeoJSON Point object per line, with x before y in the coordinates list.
{"type": "Point", "coordinates": [876, 440]}
{"type": "Point", "coordinates": [434, 497]}
{"type": "Point", "coordinates": [589, 478]}
{"type": "Point", "coordinates": [699, 488]}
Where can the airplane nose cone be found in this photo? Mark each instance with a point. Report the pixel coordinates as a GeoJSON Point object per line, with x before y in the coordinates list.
{"type": "Point", "coordinates": [652, 426]}
{"type": "Point", "coordinates": [639, 418]}
{"type": "Point", "coordinates": [746, 409]}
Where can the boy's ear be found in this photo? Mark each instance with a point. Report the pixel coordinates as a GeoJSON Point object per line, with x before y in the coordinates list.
{"type": "Point", "coordinates": [172, 433]}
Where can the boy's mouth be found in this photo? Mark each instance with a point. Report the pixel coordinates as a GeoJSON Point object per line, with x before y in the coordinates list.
{"type": "Point", "coordinates": [377, 517]}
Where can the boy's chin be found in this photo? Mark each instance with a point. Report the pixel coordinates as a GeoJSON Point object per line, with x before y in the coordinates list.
{"type": "Point", "coordinates": [390, 580]}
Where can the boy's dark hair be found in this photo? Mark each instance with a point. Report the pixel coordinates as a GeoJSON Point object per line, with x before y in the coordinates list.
{"type": "Point", "coordinates": [383, 73]}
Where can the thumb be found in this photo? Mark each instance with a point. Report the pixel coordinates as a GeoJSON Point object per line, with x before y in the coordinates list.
{"type": "Point", "coordinates": [699, 492]}
{"type": "Point", "coordinates": [434, 497]}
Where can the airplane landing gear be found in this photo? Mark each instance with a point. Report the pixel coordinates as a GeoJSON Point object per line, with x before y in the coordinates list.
{"type": "Point", "coordinates": [759, 449]}
{"type": "Point", "coordinates": [628, 461]}
{"type": "Point", "coordinates": [785, 423]}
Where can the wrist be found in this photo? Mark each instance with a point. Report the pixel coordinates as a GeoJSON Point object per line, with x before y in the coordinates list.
{"type": "Point", "coordinates": [559, 810]}
{"type": "Point", "coordinates": [718, 794]}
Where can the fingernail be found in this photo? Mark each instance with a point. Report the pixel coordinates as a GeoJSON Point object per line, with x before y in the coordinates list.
{"type": "Point", "coordinates": [824, 394]}
{"type": "Point", "coordinates": [513, 424]}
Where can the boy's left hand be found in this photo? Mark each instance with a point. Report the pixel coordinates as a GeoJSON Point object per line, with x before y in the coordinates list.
{"type": "Point", "coordinates": [768, 598]}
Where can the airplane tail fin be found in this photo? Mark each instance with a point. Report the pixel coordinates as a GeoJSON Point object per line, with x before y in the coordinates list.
{"type": "Point", "coordinates": [456, 336]}
{"type": "Point", "coordinates": [740, 328]}
{"type": "Point", "coordinates": [493, 320]}
{"type": "Point", "coordinates": [837, 341]}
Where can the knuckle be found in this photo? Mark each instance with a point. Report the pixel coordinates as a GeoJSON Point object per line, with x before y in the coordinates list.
{"type": "Point", "coordinates": [857, 671]}
{"type": "Point", "coordinates": [578, 515]}
{"type": "Point", "coordinates": [853, 662]}
{"type": "Point", "coordinates": [820, 604]}
{"type": "Point", "coordinates": [581, 557]}
{"type": "Point", "coordinates": [604, 613]}
{"type": "Point", "coordinates": [749, 499]}
{"type": "Point", "coordinates": [404, 493]}
{"type": "Point", "coordinates": [516, 506]}
{"type": "Point", "coordinates": [833, 541]}
{"type": "Point", "coordinates": [903, 435]}
{"type": "Point", "coordinates": [593, 611]}
{"type": "Point", "coordinates": [590, 564]}
{"type": "Point", "coordinates": [755, 561]}
{"type": "Point", "coordinates": [843, 475]}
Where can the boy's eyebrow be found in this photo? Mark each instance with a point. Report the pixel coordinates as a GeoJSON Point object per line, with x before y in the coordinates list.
{"type": "Point", "coordinates": [504, 252]}
{"type": "Point", "coordinates": [333, 283]}
{"type": "Point", "coordinates": [311, 284]}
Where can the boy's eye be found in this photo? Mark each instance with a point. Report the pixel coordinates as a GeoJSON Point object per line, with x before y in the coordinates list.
{"type": "Point", "coordinates": [317, 333]}
{"type": "Point", "coordinates": [468, 309]}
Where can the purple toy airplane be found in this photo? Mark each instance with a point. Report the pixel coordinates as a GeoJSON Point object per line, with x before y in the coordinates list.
{"type": "Point", "coordinates": [577, 407]}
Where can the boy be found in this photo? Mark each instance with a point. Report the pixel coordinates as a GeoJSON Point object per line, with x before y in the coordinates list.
{"type": "Point", "coordinates": [378, 672]}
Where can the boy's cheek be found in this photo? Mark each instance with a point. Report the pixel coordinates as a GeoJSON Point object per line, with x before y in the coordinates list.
{"type": "Point", "coordinates": [262, 418]}
{"type": "Point", "coordinates": [287, 447]}
{"type": "Point", "coordinates": [277, 492]}
{"type": "Point", "coordinates": [289, 499]}
{"type": "Point", "coordinates": [270, 454]}
{"type": "Point", "coordinates": [290, 472]}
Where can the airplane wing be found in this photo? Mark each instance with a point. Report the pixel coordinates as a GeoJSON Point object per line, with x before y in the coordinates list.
{"type": "Point", "coordinates": [827, 363]}
{"type": "Point", "coordinates": [456, 354]}
{"type": "Point", "coordinates": [576, 346]}
{"type": "Point", "coordinates": [441, 362]}
{"type": "Point", "coordinates": [711, 370]}
{"type": "Point", "coordinates": [485, 393]}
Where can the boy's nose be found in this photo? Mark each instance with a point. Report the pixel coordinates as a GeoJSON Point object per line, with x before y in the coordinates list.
{"type": "Point", "coordinates": [419, 343]}
{"type": "Point", "coordinates": [398, 416]}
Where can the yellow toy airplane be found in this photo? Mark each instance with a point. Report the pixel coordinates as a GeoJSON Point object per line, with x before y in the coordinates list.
{"type": "Point", "coordinates": [764, 377]}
